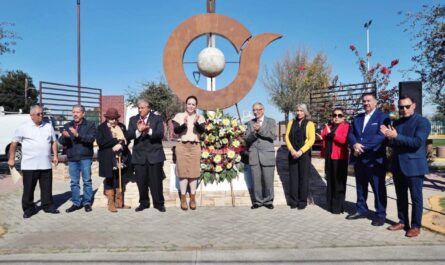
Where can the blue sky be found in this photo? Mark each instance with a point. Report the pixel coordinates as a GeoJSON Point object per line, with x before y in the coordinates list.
{"type": "Point", "coordinates": [123, 41]}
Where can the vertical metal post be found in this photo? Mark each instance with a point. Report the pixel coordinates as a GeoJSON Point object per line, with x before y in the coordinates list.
{"type": "Point", "coordinates": [211, 7]}
{"type": "Point", "coordinates": [78, 52]}
{"type": "Point", "coordinates": [26, 91]}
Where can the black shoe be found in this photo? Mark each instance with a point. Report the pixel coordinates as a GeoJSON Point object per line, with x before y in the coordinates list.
{"type": "Point", "coordinates": [293, 206]}
{"type": "Point", "coordinates": [161, 208]}
{"type": "Point", "coordinates": [301, 207]}
{"type": "Point", "coordinates": [378, 222]}
{"type": "Point", "coordinates": [255, 206]}
{"type": "Point", "coordinates": [88, 208]}
{"type": "Point", "coordinates": [73, 208]}
{"type": "Point", "coordinates": [53, 211]}
{"type": "Point", "coordinates": [140, 208]}
{"type": "Point", "coordinates": [355, 216]}
{"type": "Point", "coordinates": [269, 206]}
{"type": "Point", "coordinates": [28, 213]}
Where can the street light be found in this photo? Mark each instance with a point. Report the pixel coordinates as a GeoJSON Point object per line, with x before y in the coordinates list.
{"type": "Point", "coordinates": [367, 25]}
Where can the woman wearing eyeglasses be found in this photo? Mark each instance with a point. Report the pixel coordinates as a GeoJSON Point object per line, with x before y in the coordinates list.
{"type": "Point", "coordinates": [335, 152]}
{"type": "Point", "coordinates": [300, 136]}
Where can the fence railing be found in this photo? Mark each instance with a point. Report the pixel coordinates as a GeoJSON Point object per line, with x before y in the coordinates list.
{"type": "Point", "coordinates": [437, 127]}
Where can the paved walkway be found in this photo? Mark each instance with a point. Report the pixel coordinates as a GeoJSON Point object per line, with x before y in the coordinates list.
{"type": "Point", "coordinates": [210, 235]}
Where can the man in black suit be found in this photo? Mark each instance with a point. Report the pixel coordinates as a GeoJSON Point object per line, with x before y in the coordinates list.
{"type": "Point", "coordinates": [147, 130]}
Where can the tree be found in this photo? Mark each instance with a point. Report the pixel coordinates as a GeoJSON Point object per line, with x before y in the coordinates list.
{"type": "Point", "coordinates": [7, 38]}
{"type": "Point", "coordinates": [12, 91]}
{"type": "Point", "coordinates": [428, 32]}
{"type": "Point", "coordinates": [293, 77]}
{"type": "Point", "coordinates": [160, 97]}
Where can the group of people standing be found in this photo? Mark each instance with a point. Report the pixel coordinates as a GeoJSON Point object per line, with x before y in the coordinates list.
{"type": "Point", "coordinates": [363, 143]}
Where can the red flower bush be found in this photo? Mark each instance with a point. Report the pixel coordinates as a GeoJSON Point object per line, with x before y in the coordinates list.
{"type": "Point", "coordinates": [380, 75]}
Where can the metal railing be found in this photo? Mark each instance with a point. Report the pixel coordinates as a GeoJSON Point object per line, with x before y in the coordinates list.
{"type": "Point", "coordinates": [57, 101]}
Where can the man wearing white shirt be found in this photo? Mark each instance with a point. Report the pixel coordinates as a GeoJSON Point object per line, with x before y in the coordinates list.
{"type": "Point", "coordinates": [37, 139]}
{"type": "Point", "coordinates": [147, 130]}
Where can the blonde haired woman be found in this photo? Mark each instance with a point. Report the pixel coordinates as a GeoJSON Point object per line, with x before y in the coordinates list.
{"type": "Point", "coordinates": [300, 136]}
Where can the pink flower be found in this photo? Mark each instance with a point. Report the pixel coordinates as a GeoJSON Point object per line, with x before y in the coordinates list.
{"type": "Point", "coordinates": [301, 68]}
{"type": "Point", "coordinates": [372, 70]}
{"type": "Point", "coordinates": [394, 62]}
{"type": "Point", "coordinates": [352, 47]}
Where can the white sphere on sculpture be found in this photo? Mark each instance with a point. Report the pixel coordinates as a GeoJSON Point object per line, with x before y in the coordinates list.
{"type": "Point", "coordinates": [211, 62]}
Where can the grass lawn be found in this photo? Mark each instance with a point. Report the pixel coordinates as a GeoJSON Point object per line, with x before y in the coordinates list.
{"type": "Point", "coordinates": [438, 142]}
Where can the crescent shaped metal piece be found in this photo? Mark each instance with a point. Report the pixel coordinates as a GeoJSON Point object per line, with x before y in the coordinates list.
{"type": "Point", "coordinates": [237, 35]}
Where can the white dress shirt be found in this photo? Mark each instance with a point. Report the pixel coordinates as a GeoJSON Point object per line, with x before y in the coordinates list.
{"type": "Point", "coordinates": [367, 117]}
{"type": "Point", "coordinates": [36, 143]}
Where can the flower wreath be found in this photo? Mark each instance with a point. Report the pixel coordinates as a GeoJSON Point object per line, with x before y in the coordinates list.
{"type": "Point", "coordinates": [221, 145]}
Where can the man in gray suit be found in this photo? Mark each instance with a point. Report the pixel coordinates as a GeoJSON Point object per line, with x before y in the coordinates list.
{"type": "Point", "coordinates": [260, 134]}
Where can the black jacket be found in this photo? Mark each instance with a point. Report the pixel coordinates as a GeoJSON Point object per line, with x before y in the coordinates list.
{"type": "Point", "coordinates": [147, 148]}
{"type": "Point", "coordinates": [81, 147]}
{"type": "Point", "coordinates": [105, 154]}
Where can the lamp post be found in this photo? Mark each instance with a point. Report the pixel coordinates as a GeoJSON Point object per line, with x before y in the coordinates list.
{"type": "Point", "coordinates": [78, 51]}
{"type": "Point", "coordinates": [211, 42]}
{"type": "Point", "coordinates": [367, 25]}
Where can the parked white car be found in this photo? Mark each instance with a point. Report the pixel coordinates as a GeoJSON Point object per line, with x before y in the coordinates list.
{"type": "Point", "coordinates": [8, 124]}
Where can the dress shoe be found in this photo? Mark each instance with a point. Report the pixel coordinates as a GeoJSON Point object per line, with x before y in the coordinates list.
{"type": "Point", "coordinates": [413, 232]}
{"type": "Point", "coordinates": [269, 206]}
{"type": "Point", "coordinates": [73, 208]}
{"type": "Point", "coordinates": [396, 227]}
{"type": "Point", "coordinates": [293, 206]}
{"type": "Point", "coordinates": [28, 213]}
{"type": "Point", "coordinates": [355, 216]}
{"type": "Point", "coordinates": [140, 208]}
{"type": "Point", "coordinates": [255, 206]}
{"type": "Point", "coordinates": [53, 211]}
{"type": "Point", "coordinates": [88, 208]}
{"type": "Point", "coordinates": [378, 222]}
{"type": "Point", "coordinates": [301, 207]}
{"type": "Point", "coordinates": [161, 208]}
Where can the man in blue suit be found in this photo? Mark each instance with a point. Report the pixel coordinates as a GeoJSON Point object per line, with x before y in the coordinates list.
{"type": "Point", "coordinates": [409, 164]}
{"type": "Point", "coordinates": [369, 158]}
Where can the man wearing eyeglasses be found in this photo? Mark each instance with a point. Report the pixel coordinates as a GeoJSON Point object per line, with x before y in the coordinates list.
{"type": "Point", "coordinates": [409, 165]}
{"type": "Point", "coordinates": [369, 158]}
{"type": "Point", "coordinates": [260, 134]}
{"type": "Point", "coordinates": [37, 139]}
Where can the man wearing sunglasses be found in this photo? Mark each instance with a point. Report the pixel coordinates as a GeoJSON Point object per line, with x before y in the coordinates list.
{"type": "Point", "coordinates": [369, 158]}
{"type": "Point", "coordinates": [38, 139]}
{"type": "Point", "coordinates": [409, 165]}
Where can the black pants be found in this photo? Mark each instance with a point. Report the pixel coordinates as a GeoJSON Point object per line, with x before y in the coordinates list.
{"type": "Point", "coordinates": [336, 176]}
{"type": "Point", "coordinates": [150, 176]}
{"type": "Point", "coordinates": [30, 178]}
{"type": "Point", "coordinates": [113, 182]}
{"type": "Point", "coordinates": [299, 174]}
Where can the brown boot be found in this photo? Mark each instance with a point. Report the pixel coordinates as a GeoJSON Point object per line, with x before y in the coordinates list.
{"type": "Point", "coordinates": [119, 202]}
{"type": "Point", "coordinates": [184, 203]}
{"type": "Point", "coordinates": [192, 202]}
{"type": "Point", "coordinates": [110, 196]}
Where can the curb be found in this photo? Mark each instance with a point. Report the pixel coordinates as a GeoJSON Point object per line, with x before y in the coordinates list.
{"type": "Point", "coordinates": [428, 217]}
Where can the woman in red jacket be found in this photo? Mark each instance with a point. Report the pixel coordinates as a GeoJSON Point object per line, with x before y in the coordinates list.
{"type": "Point", "coordinates": [335, 152]}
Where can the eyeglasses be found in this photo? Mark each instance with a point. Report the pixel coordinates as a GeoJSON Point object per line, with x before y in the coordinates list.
{"type": "Point", "coordinates": [39, 114]}
{"type": "Point", "coordinates": [257, 109]}
{"type": "Point", "coordinates": [337, 115]}
{"type": "Point", "coordinates": [404, 107]}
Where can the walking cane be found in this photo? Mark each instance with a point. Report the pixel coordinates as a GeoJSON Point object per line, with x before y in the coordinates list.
{"type": "Point", "coordinates": [120, 194]}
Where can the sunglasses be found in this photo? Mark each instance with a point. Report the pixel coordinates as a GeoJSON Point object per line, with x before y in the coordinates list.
{"type": "Point", "coordinates": [337, 115]}
{"type": "Point", "coordinates": [404, 107]}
